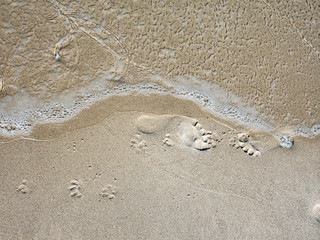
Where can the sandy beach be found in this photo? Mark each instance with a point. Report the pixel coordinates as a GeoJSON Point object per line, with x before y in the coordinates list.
{"type": "Point", "coordinates": [133, 175]}
{"type": "Point", "coordinates": [159, 120]}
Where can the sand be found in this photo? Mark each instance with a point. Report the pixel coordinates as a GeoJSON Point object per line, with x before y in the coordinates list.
{"type": "Point", "coordinates": [261, 57]}
{"type": "Point", "coordinates": [159, 120]}
{"type": "Point", "coordinates": [138, 175]}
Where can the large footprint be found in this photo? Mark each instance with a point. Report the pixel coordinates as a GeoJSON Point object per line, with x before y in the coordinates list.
{"type": "Point", "coordinates": [193, 135]}
{"type": "Point", "coordinates": [180, 130]}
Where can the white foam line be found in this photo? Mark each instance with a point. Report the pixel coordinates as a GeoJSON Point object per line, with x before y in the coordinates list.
{"type": "Point", "coordinates": [57, 111]}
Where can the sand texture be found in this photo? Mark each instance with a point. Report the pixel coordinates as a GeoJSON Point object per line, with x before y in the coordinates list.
{"type": "Point", "coordinates": [136, 176]}
{"type": "Point", "coordinates": [159, 119]}
{"type": "Point", "coordinates": [260, 57]}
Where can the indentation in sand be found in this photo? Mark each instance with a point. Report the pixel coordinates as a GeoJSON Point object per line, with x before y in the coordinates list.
{"type": "Point", "coordinates": [151, 124]}
{"type": "Point", "coordinates": [167, 140]}
{"type": "Point", "coordinates": [23, 188]}
{"type": "Point", "coordinates": [181, 131]}
{"type": "Point", "coordinates": [316, 212]}
{"type": "Point", "coordinates": [242, 141]}
{"type": "Point", "coordinates": [75, 187]}
{"type": "Point", "coordinates": [138, 143]}
{"type": "Point", "coordinates": [193, 135]}
{"type": "Point", "coordinates": [109, 191]}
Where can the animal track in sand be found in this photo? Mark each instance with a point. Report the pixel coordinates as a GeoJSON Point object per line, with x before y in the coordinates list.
{"type": "Point", "coordinates": [75, 187]}
{"type": "Point", "coordinates": [181, 131]}
{"type": "Point", "coordinates": [109, 192]}
{"type": "Point", "coordinates": [167, 140]}
{"type": "Point", "coordinates": [242, 141]}
{"type": "Point", "coordinates": [23, 187]}
{"type": "Point", "coordinates": [73, 145]}
{"type": "Point", "coordinates": [138, 143]}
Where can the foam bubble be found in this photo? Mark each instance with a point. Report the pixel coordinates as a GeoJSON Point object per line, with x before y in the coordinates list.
{"type": "Point", "coordinates": [316, 128]}
{"type": "Point", "coordinates": [284, 140]}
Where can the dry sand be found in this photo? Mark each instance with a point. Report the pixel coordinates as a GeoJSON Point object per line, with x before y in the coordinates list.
{"type": "Point", "coordinates": [158, 119]}
{"type": "Point", "coordinates": [141, 175]}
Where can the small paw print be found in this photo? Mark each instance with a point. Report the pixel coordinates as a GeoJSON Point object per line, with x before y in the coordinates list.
{"type": "Point", "coordinates": [109, 192]}
{"type": "Point", "coordinates": [167, 140]}
{"type": "Point", "coordinates": [138, 144]}
{"type": "Point", "coordinates": [23, 187]}
{"type": "Point", "coordinates": [75, 187]}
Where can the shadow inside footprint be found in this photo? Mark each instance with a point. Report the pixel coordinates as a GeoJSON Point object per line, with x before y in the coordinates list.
{"type": "Point", "coordinates": [193, 135]}
{"type": "Point", "coordinates": [183, 131]}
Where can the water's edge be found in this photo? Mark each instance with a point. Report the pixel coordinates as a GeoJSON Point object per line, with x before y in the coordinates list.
{"type": "Point", "coordinates": [25, 117]}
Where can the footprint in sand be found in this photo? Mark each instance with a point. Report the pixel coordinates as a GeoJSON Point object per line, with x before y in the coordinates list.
{"type": "Point", "coordinates": [181, 131]}
{"type": "Point", "coordinates": [242, 141]}
{"type": "Point", "coordinates": [23, 188]}
{"type": "Point", "coordinates": [193, 135]}
{"type": "Point", "coordinates": [75, 187]}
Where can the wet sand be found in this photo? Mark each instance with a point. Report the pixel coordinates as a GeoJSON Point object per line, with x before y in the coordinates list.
{"type": "Point", "coordinates": [159, 120]}
{"type": "Point", "coordinates": [261, 57]}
